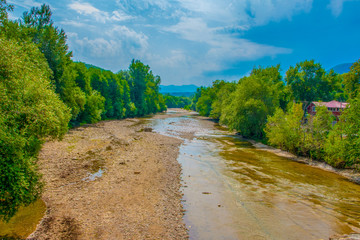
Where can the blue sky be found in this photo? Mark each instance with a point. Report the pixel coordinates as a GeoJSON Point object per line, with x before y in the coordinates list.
{"type": "Point", "coordinates": [199, 41]}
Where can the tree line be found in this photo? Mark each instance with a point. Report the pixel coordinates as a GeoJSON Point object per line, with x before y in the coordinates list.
{"type": "Point", "coordinates": [271, 108]}
{"type": "Point", "coordinates": [177, 101]}
{"type": "Point", "coordinates": [43, 92]}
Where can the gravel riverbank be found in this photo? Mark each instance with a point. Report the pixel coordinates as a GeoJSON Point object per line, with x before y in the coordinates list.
{"type": "Point", "coordinates": [112, 180]}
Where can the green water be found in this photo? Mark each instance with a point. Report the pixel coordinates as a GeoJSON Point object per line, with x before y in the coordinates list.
{"type": "Point", "coordinates": [24, 222]}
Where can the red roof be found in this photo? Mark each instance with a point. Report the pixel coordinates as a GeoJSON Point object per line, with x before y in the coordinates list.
{"type": "Point", "coordinates": [332, 104]}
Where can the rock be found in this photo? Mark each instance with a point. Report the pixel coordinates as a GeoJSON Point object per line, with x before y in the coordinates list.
{"type": "Point", "coordinates": [148, 129]}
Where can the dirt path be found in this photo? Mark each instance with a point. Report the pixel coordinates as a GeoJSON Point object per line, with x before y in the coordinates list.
{"type": "Point", "coordinates": [112, 180]}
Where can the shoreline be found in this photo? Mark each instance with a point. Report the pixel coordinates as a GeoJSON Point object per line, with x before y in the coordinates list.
{"type": "Point", "coordinates": [350, 174]}
{"type": "Point", "coordinates": [112, 180]}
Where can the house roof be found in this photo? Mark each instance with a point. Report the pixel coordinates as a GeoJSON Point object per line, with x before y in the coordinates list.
{"type": "Point", "coordinates": [332, 104]}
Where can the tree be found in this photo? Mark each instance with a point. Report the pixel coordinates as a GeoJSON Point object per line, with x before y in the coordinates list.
{"type": "Point", "coordinates": [343, 143]}
{"type": "Point", "coordinates": [255, 97]}
{"type": "Point", "coordinates": [284, 129]}
{"type": "Point", "coordinates": [352, 80]}
{"type": "Point", "coordinates": [51, 40]}
{"type": "Point", "coordinates": [222, 92]}
{"type": "Point", "coordinates": [137, 82]}
{"type": "Point", "coordinates": [315, 132]}
{"type": "Point", "coordinates": [203, 105]}
{"type": "Point", "coordinates": [4, 9]}
{"type": "Point", "coordinates": [30, 111]}
{"type": "Point", "coordinates": [308, 82]}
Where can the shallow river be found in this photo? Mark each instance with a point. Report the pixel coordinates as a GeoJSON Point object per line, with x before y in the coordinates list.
{"type": "Point", "coordinates": [235, 191]}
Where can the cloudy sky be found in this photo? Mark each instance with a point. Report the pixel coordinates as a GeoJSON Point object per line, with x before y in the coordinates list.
{"type": "Point", "coordinates": [198, 41]}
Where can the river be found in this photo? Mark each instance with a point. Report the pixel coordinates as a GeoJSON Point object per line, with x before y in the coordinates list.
{"type": "Point", "coordinates": [235, 191]}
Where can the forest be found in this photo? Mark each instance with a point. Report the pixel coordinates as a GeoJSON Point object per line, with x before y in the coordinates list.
{"type": "Point", "coordinates": [268, 107]}
{"type": "Point", "coordinates": [177, 101]}
{"type": "Point", "coordinates": [43, 92]}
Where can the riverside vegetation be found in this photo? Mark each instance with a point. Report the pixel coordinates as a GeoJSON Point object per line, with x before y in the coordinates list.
{"type": "Point", "coordinates": [267, 107]}
{"type": "Point", "coordinates": [43, 93]}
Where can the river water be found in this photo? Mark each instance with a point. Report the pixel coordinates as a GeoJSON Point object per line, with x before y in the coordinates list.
{"type": "Point", "coordinates": [235, 191]}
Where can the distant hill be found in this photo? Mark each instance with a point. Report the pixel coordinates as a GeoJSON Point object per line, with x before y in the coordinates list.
{"type": "Point", "coordinates": [178, 89]}
{"type": "Point", "coordinates": [87, 65]}
{"type": "Point", "coordinates": [342, 68]}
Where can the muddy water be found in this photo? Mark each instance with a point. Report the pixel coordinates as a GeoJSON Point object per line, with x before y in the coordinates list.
{"type": "Point", "coordinates": [24, 222]}
{"type": "Point", "coordinates": [234, 191]}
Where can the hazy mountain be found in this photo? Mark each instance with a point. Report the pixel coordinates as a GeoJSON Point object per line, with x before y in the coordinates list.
{"type": "Point", "coordinates": [342, 68]}
{"type": "Point", "coordinates": [178, 89]}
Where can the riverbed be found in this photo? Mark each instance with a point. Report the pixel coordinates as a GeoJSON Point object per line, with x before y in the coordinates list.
{"type": "Point", "coordinates": [112, 180]}
{"type": "Point", "coordinates": [234, 191]}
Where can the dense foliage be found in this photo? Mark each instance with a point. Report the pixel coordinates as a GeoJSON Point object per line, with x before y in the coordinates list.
{"type": "Point", "coordinates": [43, 92]}
{"type": "Point", "coordinates": [30, 111]}
{"type": "Point", "coordinates": [176, 101]}
{"type": "Point", "coordinates": [267, 107]}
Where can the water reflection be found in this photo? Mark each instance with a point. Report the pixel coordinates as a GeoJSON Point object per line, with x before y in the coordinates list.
{"type": "Point", "coordinates": [256, 194]}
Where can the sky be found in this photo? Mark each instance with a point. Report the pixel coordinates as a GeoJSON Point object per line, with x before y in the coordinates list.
{"type": "Point", "coordinates": [199, 41]}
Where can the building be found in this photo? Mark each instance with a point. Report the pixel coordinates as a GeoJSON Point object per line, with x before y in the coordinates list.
{"type": "Point", "coordinates": [334, 106]}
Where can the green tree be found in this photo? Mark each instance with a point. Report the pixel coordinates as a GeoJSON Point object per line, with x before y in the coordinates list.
{"type": "Point", "coordinates": [308, 82]}
{"type": "Point", "coordinates": [222, 91]}
{"type": "Point", "coordinates": [176, 101]}
{"type": "Point", "coordinates": [50, 39]}
{"type": "Point", "coordinates": [204, 102]}
{"type": "Point", "coordinates": [284, 130]}
{"type": "Point", "coordinates": [343, 143]}
{"type": "Point", "coordinates": [315, 133]}
{"type": "Point", "coordinates": [30, 111]}
{"type": "Point", "coordinates": [4, 9]}
{"type": "Point", "coordinates": [255, 97]}
{"type": "Point", "coordinates": [352, 80]}
{"type": "Point", "coordinates": [137, 82]}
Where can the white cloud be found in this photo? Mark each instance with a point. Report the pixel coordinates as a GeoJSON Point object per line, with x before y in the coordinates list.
{"type": "Point", "coordinates": [84, 8]}
{"type": "Point", "coordinates": [144, 4]}
{"type": "Point", "coordinates": [222, 46]}
{"type": "Point", "coordinates": [256, 12]}
{"type": "Point", "coordinates": [120, 16]}
{"type": "Point", "coordinates": [75, 23]}
{"type": "Point", "coordinates": [336, 6]}
{"type": "Point", "coordinates": [219, 49]}
{"type": "Point", "coordinates": [276, 10]}
{"type": "Point", "coordinates": [88, 10]}
{"type": "Point", "coordinates": [24, 3]}
{"type": "Point", "coordinates": [117, 43]}
{"type": "Point", "coordinates": [193, 29]}
{"type": "Point", "coordinates": [186, 38]}
{"type": "Point", "coordinates": [101, 47]}
{"type": "Point", "coordinates": [137, 43]}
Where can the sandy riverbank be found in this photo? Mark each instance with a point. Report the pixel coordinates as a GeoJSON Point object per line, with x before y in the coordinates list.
{"type": "Point", "coordinates": [111, 180]}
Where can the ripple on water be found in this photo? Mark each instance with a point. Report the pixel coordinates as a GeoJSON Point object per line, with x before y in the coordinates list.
{"type": "Point", "coordinates": [261, 195]}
